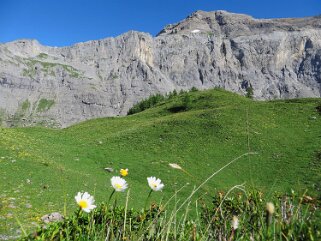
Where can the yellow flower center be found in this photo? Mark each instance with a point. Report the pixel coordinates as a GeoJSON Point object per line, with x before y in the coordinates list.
{"type": "Point", "coordinates": [118, 186]}
{"type": "Point", "coordinates": [83, 204]}
{"type": "Point", "coordinates": [155, 185]}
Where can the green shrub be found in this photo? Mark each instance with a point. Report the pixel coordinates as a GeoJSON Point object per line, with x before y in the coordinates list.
{"type": "Point", "coordinates": [25, 105]}
{"type": "Point", "coordinates": [249, 92]}
{"type": "Point", "coordinates": [158, 98]}
{"type": "Point", "coordinates": [183, 105]}
{"type": "Point", "coordinates": [42, 56]}
{"type": "Point", "coordinates": [146, 104]}
{"type": "Point", "coordinates": [318, 108]}
{"type": "Point", "coordinates": [45, 105]}
{"type": "Point", "coordinates": [193, 89]}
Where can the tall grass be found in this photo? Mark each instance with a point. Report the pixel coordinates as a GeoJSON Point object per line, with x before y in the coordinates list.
{"type": "Point", "coordinates": [238, 214]}
{"type": "Point", "coordinates": [296, 218]}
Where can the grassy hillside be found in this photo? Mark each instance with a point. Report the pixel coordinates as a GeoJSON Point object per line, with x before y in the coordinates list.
{"type": "Point", "coordinates": [42, 169]}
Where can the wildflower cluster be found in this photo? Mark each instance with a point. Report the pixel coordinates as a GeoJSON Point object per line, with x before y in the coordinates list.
{"type": "Point", "coordinates": [86, 202]}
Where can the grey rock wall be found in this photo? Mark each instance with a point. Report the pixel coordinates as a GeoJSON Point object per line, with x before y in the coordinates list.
{"type": "Point", "coordinates": [40, 85]}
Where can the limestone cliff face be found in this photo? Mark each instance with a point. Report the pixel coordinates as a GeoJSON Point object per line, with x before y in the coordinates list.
{"type": "Point", "coordinates": [279, 58]}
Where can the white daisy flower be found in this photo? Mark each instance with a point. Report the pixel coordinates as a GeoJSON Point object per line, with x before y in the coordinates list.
{"type": "Point", "coordinates": [155, 184]}
{"type": "Point", "coordinates": [118, 183]}
{"type": "Point", "coordinates": [85, 201]}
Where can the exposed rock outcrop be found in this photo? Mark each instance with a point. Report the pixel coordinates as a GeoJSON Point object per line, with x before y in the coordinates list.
{"type": "Point", "coordinates": [277, 58]}
{"type": "Point", "coordinates": [52, 217]}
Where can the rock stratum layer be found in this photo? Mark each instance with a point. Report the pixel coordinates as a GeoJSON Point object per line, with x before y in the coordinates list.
{"type": "Point", "coordinates": [277, 58]}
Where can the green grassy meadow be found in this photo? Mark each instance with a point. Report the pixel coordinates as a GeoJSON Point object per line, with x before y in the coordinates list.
{"type": "Point", "coordinates": [43, 169]}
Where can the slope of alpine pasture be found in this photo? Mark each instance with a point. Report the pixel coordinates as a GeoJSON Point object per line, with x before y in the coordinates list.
{"type": "Point", "coordinates": [42, 169]}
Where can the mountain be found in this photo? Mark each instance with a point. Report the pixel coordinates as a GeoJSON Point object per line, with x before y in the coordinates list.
{"type": "Point", "coordinates": [51, 86]}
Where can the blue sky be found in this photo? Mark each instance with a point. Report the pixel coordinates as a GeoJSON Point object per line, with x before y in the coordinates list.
{"type": "Point", "coordinates": [65, 22]}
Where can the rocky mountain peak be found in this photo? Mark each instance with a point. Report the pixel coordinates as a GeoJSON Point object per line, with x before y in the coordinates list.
{"type": "Point", "coordinates": [207, 21]}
